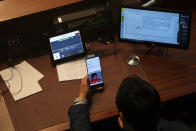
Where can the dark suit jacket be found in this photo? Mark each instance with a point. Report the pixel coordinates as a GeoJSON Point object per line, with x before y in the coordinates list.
{"type": "Point", "coordinates": [80, 121]}
{"type": "Point", "coordinates": [79, 118]}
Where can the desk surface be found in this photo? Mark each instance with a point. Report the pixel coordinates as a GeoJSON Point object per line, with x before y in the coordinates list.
{"type": "Point", "coordinates": [50, 107]}
{"type": "Point", "coordinates": [172, 76]}
{"type": "Point", "coordinates": [10, 9]}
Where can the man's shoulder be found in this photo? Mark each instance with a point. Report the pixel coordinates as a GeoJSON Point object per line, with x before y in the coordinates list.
{"type": "Point", "coordinates": [165, 125]}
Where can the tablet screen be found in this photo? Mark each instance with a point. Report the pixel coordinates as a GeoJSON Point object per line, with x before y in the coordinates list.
{"type": "Point", "coordinates": [66, 45]}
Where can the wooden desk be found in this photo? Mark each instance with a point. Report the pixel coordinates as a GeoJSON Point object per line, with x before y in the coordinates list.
{"type": "Point", "coordinates": [173, 76]}
{"type": "Point", "coordinates": [50, 107]}
{"type": "Point", "coordinates": [10, 9]}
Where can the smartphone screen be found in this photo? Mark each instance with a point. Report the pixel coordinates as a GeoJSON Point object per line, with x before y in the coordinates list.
{"type": "Point", "coordinates": [94, 72]}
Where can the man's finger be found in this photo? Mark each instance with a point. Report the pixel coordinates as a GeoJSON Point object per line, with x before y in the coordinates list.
{"type": "Point", "coordinates": [85, 78]}
{"type": "Point", "coordinates": [99, 88]}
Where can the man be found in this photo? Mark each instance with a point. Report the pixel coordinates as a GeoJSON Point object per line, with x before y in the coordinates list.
{"type": "Point", "coordinates": [94, 79]}
{"type": "Point", "coordinates": [138, 104]}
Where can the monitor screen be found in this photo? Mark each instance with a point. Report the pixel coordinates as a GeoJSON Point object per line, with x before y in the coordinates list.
{"type": "Point", "coordinates": [165, 28]}
{"type": "Point", "coordinates": [66, 45]}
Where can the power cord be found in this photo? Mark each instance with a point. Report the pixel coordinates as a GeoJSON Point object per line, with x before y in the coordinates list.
{"type": "Point", "coordinates": [8, 84]}
{"type": "Point", "coordinates": [21, 86]}
{"type": "Point", "coordinates": [10, 76]}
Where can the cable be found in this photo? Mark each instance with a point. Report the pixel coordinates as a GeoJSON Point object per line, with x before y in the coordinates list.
{"type": "Point", "coordinates": [8, 84]}
{"type": "Point", "coordinates": [10, 76]}
{"type": "Point", "coordinates": [6, 91]}
{"type": "Point", "coordinates": [21, 86]}
{"type": "Point", "coordinates": [149, 3]}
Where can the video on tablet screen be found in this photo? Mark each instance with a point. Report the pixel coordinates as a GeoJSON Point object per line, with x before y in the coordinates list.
{"type": "Point", "coordinates": [66, 45]}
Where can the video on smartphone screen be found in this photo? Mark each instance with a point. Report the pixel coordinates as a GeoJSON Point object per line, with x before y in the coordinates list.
{"type": "Point", "coordinates": [94, 72]}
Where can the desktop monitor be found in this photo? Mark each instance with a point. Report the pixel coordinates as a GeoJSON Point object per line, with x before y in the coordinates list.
{"type": "Point", "coordinates": [149, 25]}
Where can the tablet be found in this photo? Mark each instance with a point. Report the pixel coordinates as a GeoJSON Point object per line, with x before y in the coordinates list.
{"type": "Point", "coordinates": [66, 46]}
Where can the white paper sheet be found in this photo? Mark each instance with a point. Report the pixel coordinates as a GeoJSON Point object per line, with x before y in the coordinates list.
{"type": "Point", "coordinates": [29, 67]}
{"type": "Point", "coordinates": [30, 77]}
{"type": "Point", "coordinates": [72, 70]}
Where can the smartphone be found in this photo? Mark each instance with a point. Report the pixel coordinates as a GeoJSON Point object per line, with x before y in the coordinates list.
{"type": "Point", "coordinates": [94, 72]}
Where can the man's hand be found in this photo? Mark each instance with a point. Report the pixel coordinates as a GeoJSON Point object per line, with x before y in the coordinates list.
{"type": "Point", "coordinates": [84, 87]}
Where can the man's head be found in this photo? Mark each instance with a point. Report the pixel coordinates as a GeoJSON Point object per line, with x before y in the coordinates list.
{"type": "Point", "coordinates": [139, 105]}
{"type": "Point", "coordinates": [94, 76]}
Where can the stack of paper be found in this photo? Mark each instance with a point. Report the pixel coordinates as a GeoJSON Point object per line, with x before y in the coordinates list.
{"type": "Point", "coordinates": [24, 81]}
{"type": "Point", "coordinates": [72, 70]}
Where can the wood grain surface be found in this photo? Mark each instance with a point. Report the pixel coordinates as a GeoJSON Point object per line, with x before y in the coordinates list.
{"type": "Point", "coordinates": [173, 74]}
{"type": "Point", "coordinates": [10, 9]}
{"type": "Point", "coordinates": [50, 107]}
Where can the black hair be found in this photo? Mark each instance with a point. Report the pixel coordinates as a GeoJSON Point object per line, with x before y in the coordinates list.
{"type": "Point", "coordinates": [93, 74]}
{"type": "Point", "coordinates": [139, 103]}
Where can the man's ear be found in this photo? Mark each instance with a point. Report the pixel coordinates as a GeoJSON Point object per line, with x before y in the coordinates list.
{"type": "Point", "coordinates": [120, 121]}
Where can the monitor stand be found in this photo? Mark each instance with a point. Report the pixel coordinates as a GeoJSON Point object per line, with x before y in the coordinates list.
{"type": "Point", "coordinates": [157, 50]}
{"type": "Point", "coordinates": [133, 60]}
{"type": "Point", "coordinates": [152, 49]}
